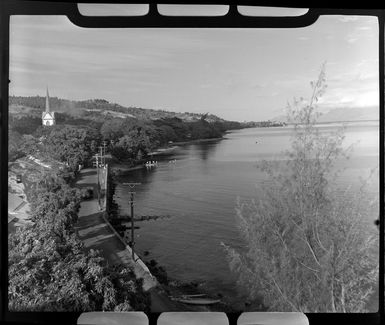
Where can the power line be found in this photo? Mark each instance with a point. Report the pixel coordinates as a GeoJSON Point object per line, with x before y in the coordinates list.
{"type": "Point", "coordinates": [97, 163]}
{"type": "Point", "coordinates": [102, 150]}
{"type": "Point", "coordinates": [132, 185]}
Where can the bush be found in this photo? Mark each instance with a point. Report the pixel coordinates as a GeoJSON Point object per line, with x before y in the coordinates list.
{"type": "Point", "coordinates": [307, 250]}
{"type": "Point", "coordinates": [87, 193]}
{"type": "Point", "coordinates": [50, 270]}
{"type": "Point", "coordinates": [158, 271]}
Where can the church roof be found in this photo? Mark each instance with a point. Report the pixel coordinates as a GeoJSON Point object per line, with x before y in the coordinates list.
{"type": "Point", "coordinates": [47, 102]}
{"type": "Point", "coordinates": [48, 115]}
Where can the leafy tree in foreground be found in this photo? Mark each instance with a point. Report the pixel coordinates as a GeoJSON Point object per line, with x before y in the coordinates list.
{"type": "Point", "coordinates": [15, 140]}
{"type": "Point", "coordinates": [307, 250]}
{"type": "Point", "coordinates": [48, 267]}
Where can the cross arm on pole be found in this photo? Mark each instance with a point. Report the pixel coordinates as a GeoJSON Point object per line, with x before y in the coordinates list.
{"type": "Point", "coordinates": [131, 185]}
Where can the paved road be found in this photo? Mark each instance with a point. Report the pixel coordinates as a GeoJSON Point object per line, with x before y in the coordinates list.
{"type": "Point", "coordinates": [93, 229]}
{"type": "Point", "coordinates": [97, 234]}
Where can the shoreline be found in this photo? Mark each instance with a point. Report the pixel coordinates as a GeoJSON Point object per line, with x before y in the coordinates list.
{"type": "Point", "coordinates": [198, 141]}
{"type": "Point", "coordinates": [168, 150]}
{"type": "Point", "coordinates": [175, 288]}
{"type": "Point", "coordinates": [122, 168]}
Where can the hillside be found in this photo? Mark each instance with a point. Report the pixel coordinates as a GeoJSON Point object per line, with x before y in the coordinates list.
{"type": "Point", "coordinates": [131, 132]}
{"type": "Point", "coordinates": [96, 107]}
{"type": "Point", "coordinates": [344, 114]}
{"type": "Point", "coordinates": [351, 114]}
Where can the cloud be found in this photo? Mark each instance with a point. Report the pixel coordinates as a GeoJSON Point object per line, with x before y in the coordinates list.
{"type": "Point", "coordinates": [352, 94]}
{"type": "Point", "coordinates": [188, 68]}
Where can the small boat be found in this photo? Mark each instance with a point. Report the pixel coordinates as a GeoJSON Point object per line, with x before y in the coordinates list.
{"type": "Point", "coordinates": [190, 296]}
{"type": "Point", "coordinates": [151, 163]}
{"type": "Point", "coordinates": [195, 300]}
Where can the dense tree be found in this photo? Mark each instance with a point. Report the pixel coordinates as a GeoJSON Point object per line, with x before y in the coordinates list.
{"type": "Point", "coordinates": [29, 145]}
{"type": "Point", "coordinates": [71, 139]}
{"type": "Point", "coordinates": [307, 248]}
{"type": "Point", "coordinates": [44, 131]}
{"type": "Point", "coordinates": [71, 144]}
{"type": "Point", "coordinates": [132, 124]}
{"type": "Point", "coordinates": [15, 141]}
{"type": "Point", "coordinates": [180, 128]}
{"type": "Point", "coordinates": [141, 137]}
{"type": "Point", "coordinates": [24, 124]}
{"type": "Point", "coordinates": [112, 129]}
{"type": "Point", "coordinates": [131, 144]}
{"type": "Point", "coordinates": [166, 133]}
{"type": "Point", "coordinates": [203, 130]}
{"type": "Point", "coordinates": [49, 269]}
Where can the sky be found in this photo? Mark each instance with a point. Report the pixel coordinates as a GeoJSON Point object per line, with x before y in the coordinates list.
{"type": "Point", "coordinates": [237, 74]}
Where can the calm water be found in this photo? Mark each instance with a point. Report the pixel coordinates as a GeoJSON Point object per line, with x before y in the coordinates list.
{"type": "Point", "coordinates": [199, 194]}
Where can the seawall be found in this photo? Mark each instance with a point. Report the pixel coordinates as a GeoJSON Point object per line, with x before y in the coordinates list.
{"type": "Point", "coordinates": [140, 268]}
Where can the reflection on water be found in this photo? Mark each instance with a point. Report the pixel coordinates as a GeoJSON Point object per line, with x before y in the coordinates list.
{"type": "Point", "coordinates": [200, 189]}
{"type": "Point", "coordinates": [206, 150]}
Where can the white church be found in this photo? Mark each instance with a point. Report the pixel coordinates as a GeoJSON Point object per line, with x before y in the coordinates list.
{"type": "Point", "coordinates": [48, 117]}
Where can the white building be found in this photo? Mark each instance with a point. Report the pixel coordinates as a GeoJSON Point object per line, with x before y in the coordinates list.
{"type": "Point", "coordinates": [48, 117]}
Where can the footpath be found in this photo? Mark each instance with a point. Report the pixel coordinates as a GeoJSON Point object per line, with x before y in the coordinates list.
{"type": "Point", "coordinates": [97, 234]}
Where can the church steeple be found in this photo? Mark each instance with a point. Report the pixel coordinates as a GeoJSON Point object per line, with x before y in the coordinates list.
{"type": "Point", "coordinates": [48, 117]}
{"type": "Point", "coordinates": [47, 102]}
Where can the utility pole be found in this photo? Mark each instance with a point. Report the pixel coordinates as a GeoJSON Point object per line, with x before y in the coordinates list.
{"type": "Point", "coordinates": [103, 164]}
{"type": "Point", "coordinates": [101, 155]}
{"type": "Point", "coordinates": [97, 171]}
{"type": "Point", "coordinates": [132, 185]}
{"type": "Point", "coordinates": [104, 148]}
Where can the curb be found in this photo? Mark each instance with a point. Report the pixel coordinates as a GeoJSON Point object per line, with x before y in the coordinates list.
{"type": "Point", "coordinates": [137, 261]}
